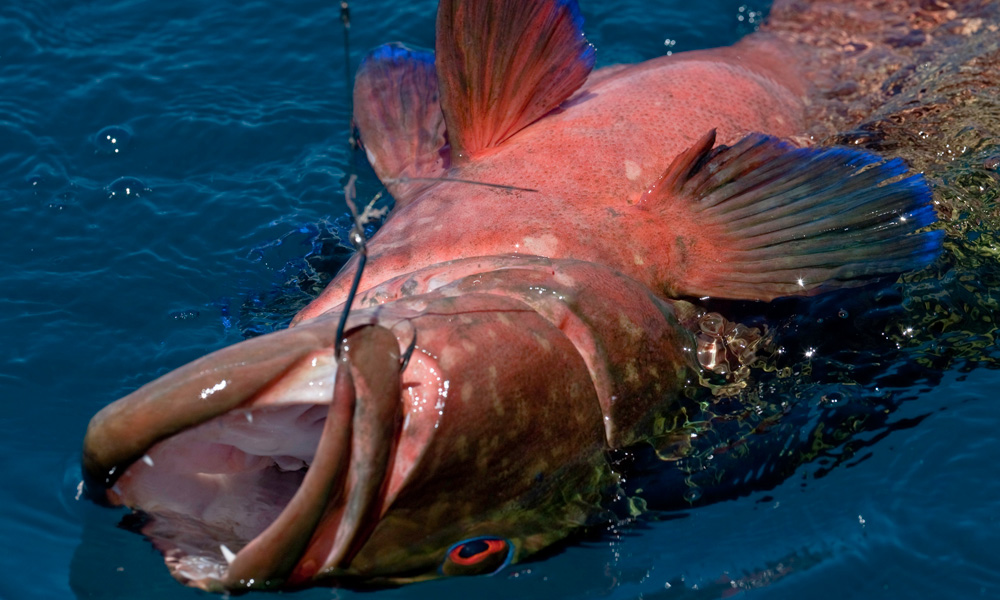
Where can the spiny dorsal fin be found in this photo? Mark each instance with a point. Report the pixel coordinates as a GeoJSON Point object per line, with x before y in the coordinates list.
{"type": "Point", "coordinates": [763, 219]}
{"type": "Point", "coordinates": [503, 64]}
{"type": "Point", "coordinates": [398, 116]}
{"type": "Point", "coordinates": [683, 166]}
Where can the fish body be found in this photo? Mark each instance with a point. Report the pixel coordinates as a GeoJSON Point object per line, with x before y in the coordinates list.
{"type": "Point", "coordinates": [520, 313]}
{"type": "Point", "coordinates": [588, 164]}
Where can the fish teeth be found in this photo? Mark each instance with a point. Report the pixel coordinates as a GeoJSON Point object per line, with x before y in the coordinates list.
{"type": "Point", "coordinates": [228, 554]}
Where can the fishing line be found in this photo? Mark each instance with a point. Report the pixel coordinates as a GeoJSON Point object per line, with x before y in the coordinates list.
{"type": "Point", "coordinates": [501, 186]}
{"type": "Point", "coordinates": [357, 232]}
{"type": "Point", "coordinates": [345, 18]}
{"type": "Point", "coordinates": [358, 239]}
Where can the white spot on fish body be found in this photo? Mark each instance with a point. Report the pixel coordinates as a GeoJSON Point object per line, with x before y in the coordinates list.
{"type": "Point", "coordinates": [147, 459]}
{"type": "Point", "coordinates": [543, 245]}
{"type": "Point", "coordinates": [632, 170]}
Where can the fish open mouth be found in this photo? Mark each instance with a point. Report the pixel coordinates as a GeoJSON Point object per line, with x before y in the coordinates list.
{"type": "Point", "coordinates": [209, 491]}
{"type": "Point", "coordinates": [257, 489]}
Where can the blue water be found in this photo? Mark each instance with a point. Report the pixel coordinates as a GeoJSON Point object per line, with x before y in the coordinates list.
{"type": "Point", "coordinates": [171, 181]}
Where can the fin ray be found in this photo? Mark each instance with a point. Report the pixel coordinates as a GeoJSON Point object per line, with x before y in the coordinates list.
{"type": "Point", "coordinates": [503, 64]}
{"type": "Point", "coordinates": [763, 219]}
{"type": "Point", "coordinates": [399, 118]}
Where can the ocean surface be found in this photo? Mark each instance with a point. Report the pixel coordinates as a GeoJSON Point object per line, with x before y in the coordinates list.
{"type": "Point", "coordinates": [172, 180]}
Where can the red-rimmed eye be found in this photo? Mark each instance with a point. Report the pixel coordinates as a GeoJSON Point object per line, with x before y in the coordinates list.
{"type": "Point", "coordinates": [476, 551]}
{"type": "Point", "coordinates": [477, 556]}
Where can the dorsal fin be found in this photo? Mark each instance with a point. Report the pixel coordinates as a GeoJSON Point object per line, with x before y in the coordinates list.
{"type": "Point", "coordinates": [503, 64]}
{"type": "Point", "coordinates": [764, 219]}
{"type": "Point", "coordinates": [398, 116]}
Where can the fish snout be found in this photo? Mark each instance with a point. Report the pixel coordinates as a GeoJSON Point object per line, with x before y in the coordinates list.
{"type": "Point", "coordinates": [260, 464]}
{"type": "Point", "coordinates": [213, 385]}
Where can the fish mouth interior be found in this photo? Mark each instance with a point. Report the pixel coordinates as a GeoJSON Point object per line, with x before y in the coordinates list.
{"type": "Point", "coordinates": [207, 492]}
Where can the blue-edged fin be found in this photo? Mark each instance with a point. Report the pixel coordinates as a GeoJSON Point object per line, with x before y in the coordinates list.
{"type": "Point", "coordinates": [399, 119]}
{"type": "Point", "coordinates": [763, 219]}
{"type": "Point", "coordinates": [503, 64]}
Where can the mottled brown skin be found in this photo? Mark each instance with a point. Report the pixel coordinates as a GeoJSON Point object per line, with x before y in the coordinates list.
{"type": "Point", "coordinates": [571, 357]}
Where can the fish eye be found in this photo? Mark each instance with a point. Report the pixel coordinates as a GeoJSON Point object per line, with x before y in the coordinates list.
{"type": "Point", "coordinates": [477, 556]}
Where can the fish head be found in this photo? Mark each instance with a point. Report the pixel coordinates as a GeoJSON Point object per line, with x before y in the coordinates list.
{"type": "Point", "coordinates": [445, 436]}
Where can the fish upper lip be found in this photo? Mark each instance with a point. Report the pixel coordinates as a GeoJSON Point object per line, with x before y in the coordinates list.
{"type": "Point", "coordinates": [122, 432]}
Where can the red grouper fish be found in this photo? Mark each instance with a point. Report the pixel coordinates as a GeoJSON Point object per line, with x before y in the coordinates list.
{"type": "Point", "coordinates": [519, 314]}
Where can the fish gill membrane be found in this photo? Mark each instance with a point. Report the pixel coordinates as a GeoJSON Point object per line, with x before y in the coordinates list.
{"type": "Point", "coordinates": [275, 463]}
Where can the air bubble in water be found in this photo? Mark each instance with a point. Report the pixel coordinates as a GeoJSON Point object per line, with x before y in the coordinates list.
{"type": "Point", "coordinates": [113, 139]}
{"type": "Point", "coordinates": [126, 187]}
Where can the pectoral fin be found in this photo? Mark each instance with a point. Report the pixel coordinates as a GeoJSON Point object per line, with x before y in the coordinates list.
{"type": "Point", "coordinates": [398, 116]}
{"type": "Point", "coordinates": [763, 219]}
{"type": "Point", "coordinates": [503, 64]}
